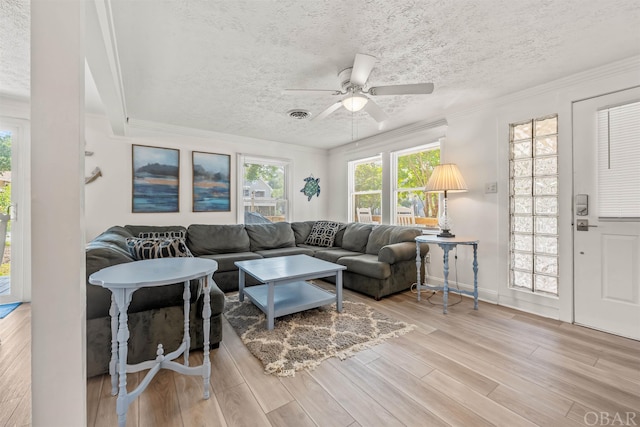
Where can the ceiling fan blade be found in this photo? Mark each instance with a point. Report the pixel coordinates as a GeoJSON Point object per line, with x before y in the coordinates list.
{"type": "Point", "coordinates": [362, 66]}
{"type": "Point", "coordinates": [311, 92]}
{"type": "Point", "coordinates": [411, 89]}
{"type": "Point", "coordinates": [333, 107]}
{"type": "Point", "coordinates": [375, 111]}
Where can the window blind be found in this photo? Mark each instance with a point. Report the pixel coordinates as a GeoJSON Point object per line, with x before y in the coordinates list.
{"type": "Point", "coordinates": [619, 162]}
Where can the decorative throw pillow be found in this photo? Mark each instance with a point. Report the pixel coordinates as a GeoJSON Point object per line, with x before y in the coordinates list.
{"type": "Point", "coordinates": [323, 234]}
{"type": "Point", "coordinates": [157, 248]}
{"type": "Point", "coordinates": [181, 234]}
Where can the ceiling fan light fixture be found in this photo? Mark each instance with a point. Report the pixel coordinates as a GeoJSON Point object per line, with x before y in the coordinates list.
{"type": "Point", "coordinates": [355, 102]}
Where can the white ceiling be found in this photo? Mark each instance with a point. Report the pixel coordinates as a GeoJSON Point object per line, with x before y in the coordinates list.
{"type": "Point", "coordinates": [222, 65]}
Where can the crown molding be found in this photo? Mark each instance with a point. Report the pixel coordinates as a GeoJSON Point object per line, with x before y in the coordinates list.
{"type": "Point", "coordinates": [394, 135]}
{"type": "Point", "coordinates": [609, 70]}
{"type": "Point", "coordinates": [102, 59]}
{"type": "Point", "coordinates": [143, 128]}
{"type": "Point", "coordinates": [15, 106]}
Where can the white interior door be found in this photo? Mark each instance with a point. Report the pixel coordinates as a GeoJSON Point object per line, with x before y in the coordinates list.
{"type": "Point", "coordinates": [606, 251]}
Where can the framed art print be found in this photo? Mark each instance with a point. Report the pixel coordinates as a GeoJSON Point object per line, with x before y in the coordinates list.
{"type": "Point", "coordinates": [156, 179]}
{"type": "Point", "coordinates": [211, 182]}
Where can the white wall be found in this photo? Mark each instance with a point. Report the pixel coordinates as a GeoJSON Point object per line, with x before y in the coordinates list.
{"type": "Point", "coordinates": [108, 199]}
{"type": "Point", "coordinates": [477, 141]}
{"type": "Point", "coordinates": [58, 308]}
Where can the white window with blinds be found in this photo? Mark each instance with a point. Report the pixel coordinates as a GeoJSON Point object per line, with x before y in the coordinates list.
{"type": "Point", "coordinates": [619, 162]}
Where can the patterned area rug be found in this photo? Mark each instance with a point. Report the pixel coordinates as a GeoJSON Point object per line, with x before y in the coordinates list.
{"type": "Point", "coordinates": [303, 340]}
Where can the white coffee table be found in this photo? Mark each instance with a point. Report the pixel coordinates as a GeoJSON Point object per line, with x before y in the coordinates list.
{"type": "Point", "coordinates": [285, 290]}
{"type": "Point", "coordinates": [123, 280]}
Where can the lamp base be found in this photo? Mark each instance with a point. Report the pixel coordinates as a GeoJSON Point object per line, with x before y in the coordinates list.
{"type": "Point", "coordinates": [446, 233]}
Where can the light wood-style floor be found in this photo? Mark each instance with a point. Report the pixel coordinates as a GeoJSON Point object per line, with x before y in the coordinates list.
{"type": "Point", "coordinates": [495, 366]}
{"type": "Point", "coordinates": [15, 367]}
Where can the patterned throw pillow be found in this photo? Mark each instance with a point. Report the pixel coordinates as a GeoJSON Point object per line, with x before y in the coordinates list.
{"type": "Point", "coordinates": [323, 234]}
{"type": "Point", "coordinates": [181, 234]}
{"type": "Point", "coordinates": [157, 248]}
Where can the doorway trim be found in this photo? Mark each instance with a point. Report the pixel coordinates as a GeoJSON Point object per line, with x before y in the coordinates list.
{"type": "Point", "coordinates": [20, 198]}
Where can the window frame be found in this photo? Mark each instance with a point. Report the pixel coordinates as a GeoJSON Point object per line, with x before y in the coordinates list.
{"type": "Point", "coordinates": [285, 163]}
{"type": "Point", "coordinates": [351, 183]}
{"type": "Point", "coordinates": [395, 190]}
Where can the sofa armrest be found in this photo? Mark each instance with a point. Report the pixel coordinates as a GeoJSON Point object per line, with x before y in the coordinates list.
{"type": "Point", "coordinates": [404, 251]}
{"type": "Point", "coordinates": [217, 301]}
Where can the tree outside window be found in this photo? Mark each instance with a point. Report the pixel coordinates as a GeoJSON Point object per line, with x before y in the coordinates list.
{"type": "Point", "coordinates": [5, 199]}
{"type": "Point", "coordinates": [413, 168]}
{"type": "Point", "coordinates": [264, 189]}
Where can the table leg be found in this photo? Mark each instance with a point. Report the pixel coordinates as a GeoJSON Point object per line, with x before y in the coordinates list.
{"type": "Point", "coordinates": [418, 265]}
{"type": "Point", "coordinates": [206, 315]}
{"type": "Point", "coordinates": [445, 292]}
{"type": "Point", "coordinates": [113, 364]}
{"type": "Point", "coordinates": [339, 291]}
{"type": "Point", "coordinates": [122, 299]}
{"type": "Point", "coordinates": [270, 305]}
{"type": "Point", "coordinates": [186, 338]}
{"type": "Point", "coordinates": [241, 285]}
{"type": "Point", "coordinates": [475, 276]}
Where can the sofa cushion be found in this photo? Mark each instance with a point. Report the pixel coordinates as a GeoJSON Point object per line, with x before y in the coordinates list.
{"type": "Point", "coordinates": [270, 253]}
{"type": "Point", "coordinates": [378, 238]}
{"type": "Point", "coordinates": [115, 238]}
{"type": "Point", "coordinates": [404, 234]}
{"type": "Point", "coordinates": [356, 236]}
{"type": "Point", "coordinates": [315, 249]}
{"type": "Point", "coordinates": [270, 236]}
{"type": "Point", "coordinates": [383, 235]}
{"type": "Point", "coordinates": [157, 248]}
{"type": "Point", "coordinates": [366, 265]}
{"type": "Point", "coordinates": [205, 239]}
{"type": "Point", "coordinates": [340, 235]}
{"type": "Point", "coordinates": [301, 230]}
{"type": "Point", "coordinates": [323, 234]}
{"type": "Point", "coordinates": [333, 255]}
{"type": "Point", "coordinates": [226, 261]}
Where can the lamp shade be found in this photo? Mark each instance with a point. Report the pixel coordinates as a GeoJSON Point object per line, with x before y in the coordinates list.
{"type": "Point", "coordinates": [446, 178]}
{"type": "Point", "coordinates": [355, 102]}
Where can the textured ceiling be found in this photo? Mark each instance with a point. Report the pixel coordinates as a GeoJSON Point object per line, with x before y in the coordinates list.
{"type": "Point", "coordinates": [14, 47]}
{"type": "Point", "coordinates": [222, 65]}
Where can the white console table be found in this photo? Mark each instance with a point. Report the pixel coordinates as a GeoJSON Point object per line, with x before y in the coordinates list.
{"type": "Point", "coordinates": [447, 243]}
{"type": "Point", "coordinates": [123, 280]}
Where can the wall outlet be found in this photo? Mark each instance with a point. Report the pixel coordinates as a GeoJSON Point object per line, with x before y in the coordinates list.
{"type": "Point", "coordinates": [491, 187]}
{"type": "Point", "coordinates": [427, 258]}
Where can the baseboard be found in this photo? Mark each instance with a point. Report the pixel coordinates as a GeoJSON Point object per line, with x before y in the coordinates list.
{"type": "Point", "coordinates": [529, 307]}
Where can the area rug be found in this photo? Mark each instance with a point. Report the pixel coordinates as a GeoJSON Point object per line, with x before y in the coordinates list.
{"type": "Point", "coordinates": [303, 340]}
{"type": "Point", "coordinates": [5, 309]}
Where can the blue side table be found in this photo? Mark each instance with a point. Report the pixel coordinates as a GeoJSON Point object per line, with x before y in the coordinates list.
{"type": "Point", "coordinates": [448, 243]}
{"type": "Point", "coordinates": [123, 280]}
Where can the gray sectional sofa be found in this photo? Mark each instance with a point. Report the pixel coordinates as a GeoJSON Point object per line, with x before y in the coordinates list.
{"type": "Point", "coordinates": [380, 261]}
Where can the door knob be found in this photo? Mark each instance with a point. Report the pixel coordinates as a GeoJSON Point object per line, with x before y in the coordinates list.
{"type": "Point", "coordinates": [583, 225]}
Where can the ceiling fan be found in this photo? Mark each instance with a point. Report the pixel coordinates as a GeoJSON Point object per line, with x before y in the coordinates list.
{"type": "Point", "coordinates": [355, 95]}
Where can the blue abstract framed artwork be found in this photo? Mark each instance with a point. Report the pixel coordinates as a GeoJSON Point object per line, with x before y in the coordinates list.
{"type": "Point", "coordinates": [156, 179]}
{"type": "Point", "coordinates": [211, 182]}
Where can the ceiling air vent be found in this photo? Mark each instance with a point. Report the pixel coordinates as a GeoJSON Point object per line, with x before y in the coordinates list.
{"type": "Point", "coordinates": [298, 114]}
